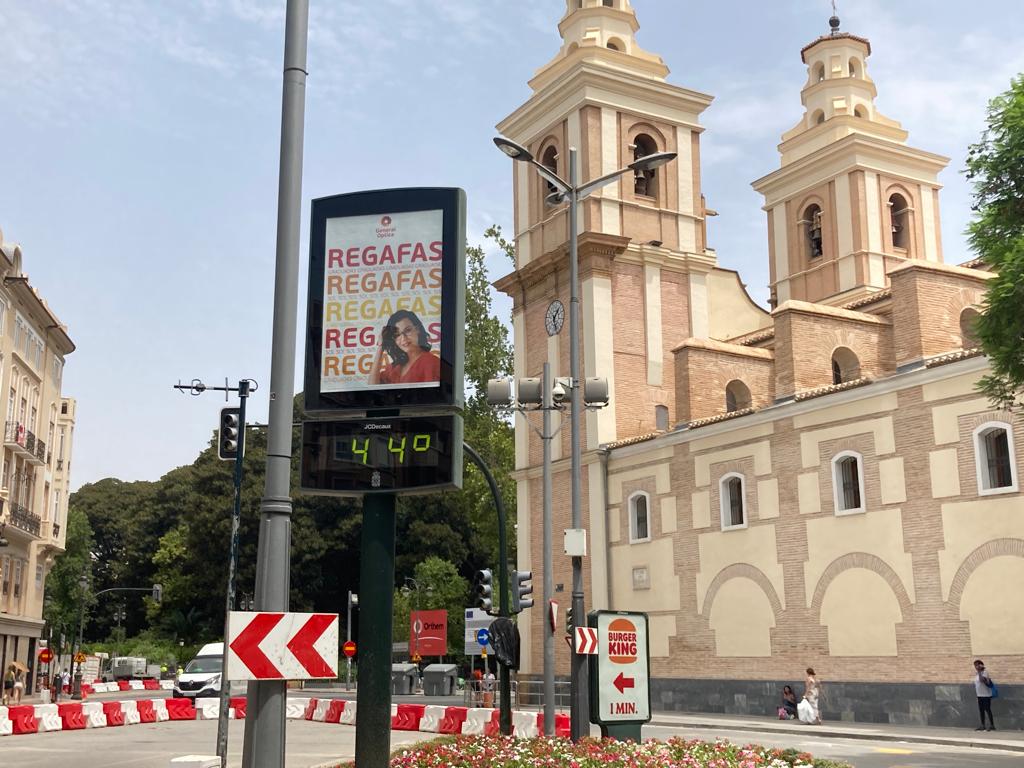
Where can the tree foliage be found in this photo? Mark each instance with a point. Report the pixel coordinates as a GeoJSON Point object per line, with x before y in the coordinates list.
{"type": "Point", "coordinates": [995, 166]}
{"type": "Point", "coordinates": [176, 531]}
{"type": "Point", "coordinates": [436, 584]}
{"type": "Point", "coordinates": [64, 592]}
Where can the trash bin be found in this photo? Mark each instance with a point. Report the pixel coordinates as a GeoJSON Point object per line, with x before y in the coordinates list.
{"type": "Point", "coordinates": [403, 678]}
{"type": "Point", "coordinates": [439, 679]}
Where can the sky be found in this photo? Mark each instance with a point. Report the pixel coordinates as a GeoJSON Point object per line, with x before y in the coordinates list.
{"type": "Point", "coordinates": [139, 157]}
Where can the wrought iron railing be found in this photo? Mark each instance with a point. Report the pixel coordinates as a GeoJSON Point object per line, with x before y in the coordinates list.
{"type": "Point", "coordinates": [15, 433]}
{"type": "Point", "coordinates": [25, 520]}
{"type": "Point", "coordinates": [56, 530]}
{"type": "Point", "coordinates": [60, 464]}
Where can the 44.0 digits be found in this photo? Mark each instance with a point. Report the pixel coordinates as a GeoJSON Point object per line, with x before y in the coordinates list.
{"type": "Point", "coordinates": [420, 444]}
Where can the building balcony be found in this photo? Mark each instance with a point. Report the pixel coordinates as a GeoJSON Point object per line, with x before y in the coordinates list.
{"type": "Point", "coordinates": [24, 520]}
{"type": "Point", "coordinates": [22, 441]}
{"type": "Point", "coordinates": [59, 466]}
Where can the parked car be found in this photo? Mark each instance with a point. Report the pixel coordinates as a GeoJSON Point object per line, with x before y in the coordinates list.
{"type": "Point", "coordinates": [202, 676]}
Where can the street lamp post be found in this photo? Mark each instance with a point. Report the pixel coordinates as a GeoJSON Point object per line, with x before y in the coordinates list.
{"type": "Point", "coordinates": [573, 193]}
{"type": "Point", "coordinates": [353, 599]}
{"type": "Point", "coordinates": [76, 684]}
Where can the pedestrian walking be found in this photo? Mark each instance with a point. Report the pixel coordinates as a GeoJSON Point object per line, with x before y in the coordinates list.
{"type": "Point", "coordinates": [489, 689]}
{"type": "Point", "coordinates": [986, 691]}
{"type": "Point", "coordinates": [812, 695]}
{"type": "Point", "coordinates": [19, 684]}
{"type": "Point", "coordinates": [10, 675]}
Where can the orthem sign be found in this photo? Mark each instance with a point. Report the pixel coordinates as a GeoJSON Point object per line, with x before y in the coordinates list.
{"type": "Point", "coordinates": [620, 698]}
{"type": "Point", "coordinates": [428, 633]}
{"type": "Point", "coordinates": [282, 646]}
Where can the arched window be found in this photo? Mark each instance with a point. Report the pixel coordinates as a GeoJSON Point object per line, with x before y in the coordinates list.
{"type": "Point", "coordinates": [615, 44]}
{"type": "Point", "coordinates": [995, 458]}
{"type": "Point", "coordinates": [737, 396]}
{"type": "Point", "coordinates": [661, 417]}
{"type": "Point", "coordinates": [639, 517]}
{"type": "Point", "coordinates": [819, 72]}
{"type": "Point", "coordinates": [845, 366]}
{"type": "Point", "coordinates": [733, 504]}
{"type": "Point", "coordinates": [818, 117]}
{"type": "Point", "coordinates": [550, 161]}
{"type": "Point", "coordinates": [848, 483]}
{"type": "Point", "coordinates": [899, 219]}
{"type": "Point", "coordinates": [609, 3]}
{"type": "Point", "coordinates": [968, 328]}
{"type": "Point", "coordinates": [644, 182]}
{"type": "Point", "coordinates": [854, 67]}
{"type": "Point", "coordinates": [811, 223]}
{"type": "Point", "coordinates": [860, 112]}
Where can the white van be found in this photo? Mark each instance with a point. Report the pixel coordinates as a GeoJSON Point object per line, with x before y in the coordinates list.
{"type": "Point", "coordinates": [201, 677]}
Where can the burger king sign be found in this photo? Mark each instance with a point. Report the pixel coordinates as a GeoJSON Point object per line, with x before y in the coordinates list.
{"type": "Point", "coordinates": [620, 671]}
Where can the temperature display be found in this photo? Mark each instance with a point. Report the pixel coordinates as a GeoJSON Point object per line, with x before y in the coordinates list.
{"type": "Point", "coordinates": [406, 454]}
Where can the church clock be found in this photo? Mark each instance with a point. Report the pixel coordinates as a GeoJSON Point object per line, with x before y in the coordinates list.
{"type": "Point", "coordinates": [554, 318]}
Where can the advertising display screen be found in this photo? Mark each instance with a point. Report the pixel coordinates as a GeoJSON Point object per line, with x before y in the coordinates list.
{"type": "Point", "coordinates": [385, 304]}
{"type": "Point", "coordinates": [415, 454]}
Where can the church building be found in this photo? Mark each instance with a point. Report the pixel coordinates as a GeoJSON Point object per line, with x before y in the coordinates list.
{"type": "Point", "coordinates": [815, 484]}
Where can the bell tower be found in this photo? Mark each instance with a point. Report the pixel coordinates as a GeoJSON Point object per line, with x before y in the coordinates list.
{"type": "Point", "coordinates": [851, 200]}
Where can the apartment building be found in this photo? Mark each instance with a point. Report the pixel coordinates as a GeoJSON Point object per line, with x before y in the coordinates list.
{"type": "Point", "coordinates": [38, 432]}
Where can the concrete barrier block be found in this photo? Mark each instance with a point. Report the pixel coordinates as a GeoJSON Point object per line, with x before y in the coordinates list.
{"type": "Point", "coordinates": [136, 685]}
{"type": "Point", "coordinates": [131, 712]}
{"type": "Point", "coordinates": [160, 707]}
{"type": "Point", "coordinates": [94, 715]}
{"type": "Point", "coordinates": [207, 709]}
{"type": "Point", "coordinates": [432, 717]}
{"type": "Point", "coordinates": [476, 720]}
{"type": "Point", "coordinates": [48, 718]}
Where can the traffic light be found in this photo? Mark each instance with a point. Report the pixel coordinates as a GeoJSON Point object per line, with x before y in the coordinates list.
{"type": "Point", "coordinates": [229, 440]}
{"type": "Point", "coordinates": [158, 593]}
{"type": "Point", "coordinates": [484, 589]}
{"type": "Point", "coordinates": [521, 590]}
{"type": "Point", "coordinates": [569, 624]}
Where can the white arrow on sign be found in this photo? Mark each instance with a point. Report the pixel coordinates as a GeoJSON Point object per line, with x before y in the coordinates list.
{"type": "Point", "coordinates": [586, 641]}
{"type": "Point", "coordinates": [263, 645]}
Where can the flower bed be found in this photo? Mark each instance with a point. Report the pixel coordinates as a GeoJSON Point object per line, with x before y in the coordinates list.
{"type": "Point", "coordinates": [491, 752]}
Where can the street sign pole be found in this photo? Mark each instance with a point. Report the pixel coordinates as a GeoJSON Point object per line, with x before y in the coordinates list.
{"type": "Point", "coordinates": [376, 598]}
{"type": "Point", "coordinates": [265, 722]}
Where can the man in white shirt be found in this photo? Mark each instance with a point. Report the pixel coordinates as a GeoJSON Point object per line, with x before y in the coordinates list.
{"type": "Point", "coordinates": [983, 688]}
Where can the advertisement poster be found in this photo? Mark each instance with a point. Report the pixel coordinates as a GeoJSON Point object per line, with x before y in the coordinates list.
{"type": "Point", "coordinates": [382, 302]}
{"type": "Point", "coordinates": [428, 633]}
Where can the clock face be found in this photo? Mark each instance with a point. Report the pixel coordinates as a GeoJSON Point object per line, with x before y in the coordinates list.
{"type": "Point", "coordinates": [554, 317]}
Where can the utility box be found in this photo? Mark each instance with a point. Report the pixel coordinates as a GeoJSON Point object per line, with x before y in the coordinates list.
{"type": "Point", "coordinates": [403, 679]}
{"type": "Point", "coordinates": [440, 679]}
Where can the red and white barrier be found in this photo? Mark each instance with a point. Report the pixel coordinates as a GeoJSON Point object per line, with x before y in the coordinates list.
{"type": "Point", "coordinates": [208, 708]}
{"type": "Point", "coordinates": [432, 717]}
{"type": "Point", "coordinates": [47, 718]}
{"type": "Point", "coordinates": [525, 725]}
{"type": "Point", "coordinates": [348, 716]}
{"type": "Point", "coordinates": [160, 708]}
{"type": "Point", "coordinates": [476, 720]}
{"type": "Point", "coordinates": [297, 708]}
{"type": "Point", "coordinates": [92, 711]}
{"type": "Point", "coordinates": [6, 729]}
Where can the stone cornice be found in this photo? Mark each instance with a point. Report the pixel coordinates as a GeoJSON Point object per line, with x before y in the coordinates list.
{"type": "Point", "coordinates": [589, 84]}
{"type": "Point", "coordinates": [823, 310]}
{"type": "Point", "coordinates": [978, 275]}
{"type": "Point", "coordinates": [725, 348]}
{"type": "Point", "coordinates": [860, 152]}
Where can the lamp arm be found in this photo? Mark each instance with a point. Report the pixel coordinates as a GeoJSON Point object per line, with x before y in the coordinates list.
{"type": "Point", "coordinates": [590, 186]}
{"type": "Point", "coordinates": [551, 176]}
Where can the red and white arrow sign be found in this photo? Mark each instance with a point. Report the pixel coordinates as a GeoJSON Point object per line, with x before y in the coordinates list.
{"type": "Point", "coordinates": [282, 646]}
{"type": "Point", "coordinates": [586, 640]}
{"type": "Point", "coordinates": [622, 682]}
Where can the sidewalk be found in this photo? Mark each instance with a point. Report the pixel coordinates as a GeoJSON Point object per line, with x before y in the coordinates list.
{"type": "Point", "coordinates": [955, 737]}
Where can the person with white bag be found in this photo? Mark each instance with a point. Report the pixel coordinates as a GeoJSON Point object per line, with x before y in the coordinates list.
{"type": "Point", "coordinates": [807, 709]}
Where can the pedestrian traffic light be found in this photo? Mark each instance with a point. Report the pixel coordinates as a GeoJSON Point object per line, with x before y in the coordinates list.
{"type": "Point", "coordinates": [158, 593]}
{"type": "Point", "coordinates": [229, 440]}
{"type": "Point", "coordinates": [484, 589]}
{"type": "Point", "coordinates": [521, 590]}
{"type": "Point", "coordinates": [568, 620]}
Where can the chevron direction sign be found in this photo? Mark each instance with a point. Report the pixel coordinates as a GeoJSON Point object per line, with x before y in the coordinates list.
{"type": "Point", "coordinates": [282, 646]}
{"type": "Point", "coordinates": [586, 641]}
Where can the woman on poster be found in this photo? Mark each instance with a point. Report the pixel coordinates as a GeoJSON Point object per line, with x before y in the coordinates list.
{"type": "Point", "coordinates": [404, 340]}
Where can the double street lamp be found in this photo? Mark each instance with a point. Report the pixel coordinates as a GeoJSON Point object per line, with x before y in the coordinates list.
{"type": "Point", "coordinates": [572, 192]}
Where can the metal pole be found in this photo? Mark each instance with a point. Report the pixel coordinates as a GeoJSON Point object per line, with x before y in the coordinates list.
{"type": "Point", "coordinates": [547, 404]}
{"type": "Point", "coordinates": [265, 724]}
{"type": "Point", "coordinates": [504, 681]}
{"type": "Point", "coordinates": [236, 516]}
{"type": "Point", "coordinates": [376, 603]}
{"type": "Point", "coordinates": [348, 638]}
{"type": "Point", "coordinates": [76, 685]}
{"type": "Point", "coordinates": [579, 706]}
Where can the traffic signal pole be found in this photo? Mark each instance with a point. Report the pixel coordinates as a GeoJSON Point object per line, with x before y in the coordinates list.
{"type": "Point", "coordinates": [265, 720]}
{"type": "Point", "coordinates": [236, 514]}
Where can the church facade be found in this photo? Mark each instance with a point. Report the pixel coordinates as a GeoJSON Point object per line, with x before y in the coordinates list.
{"type": "Point", "coordinates": [814, 484]}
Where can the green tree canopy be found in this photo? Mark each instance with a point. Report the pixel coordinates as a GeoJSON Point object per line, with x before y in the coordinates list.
{"type": "Point", "coordinates": [995, 165]}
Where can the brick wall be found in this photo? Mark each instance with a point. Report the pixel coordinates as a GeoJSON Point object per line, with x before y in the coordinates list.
{"type": "Point", "coordinates": [704, 368]}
